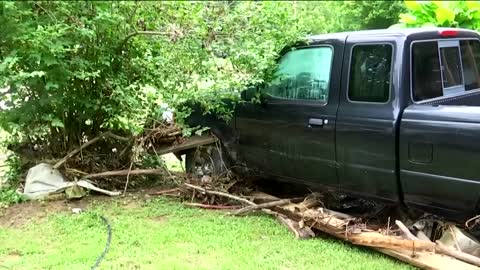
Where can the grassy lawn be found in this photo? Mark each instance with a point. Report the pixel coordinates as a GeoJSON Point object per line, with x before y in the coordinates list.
{"type": "Point", "coordinates": [163, 234]}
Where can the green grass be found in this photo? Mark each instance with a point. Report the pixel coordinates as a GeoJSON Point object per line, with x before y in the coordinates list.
{"type": "Point", "coordinates": [162, 234]}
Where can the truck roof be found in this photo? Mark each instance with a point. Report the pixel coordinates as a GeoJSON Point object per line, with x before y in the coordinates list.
{"type": "Point", "coordinates": [392, 32]}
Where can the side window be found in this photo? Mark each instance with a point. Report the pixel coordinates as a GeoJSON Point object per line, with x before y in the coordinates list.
{"type": "Point", "coordinates": [470, 50]}
{"type": "Point", "coordinates": [451, 69]}
{"type": "Point", "coordinates": [426, 77]}
{"type": "Point", "coordinates": [303, 74]}
{"type": "Point", "coordinates": [442, 68]}
{"type": "Point", "coordinates": [370, 70]}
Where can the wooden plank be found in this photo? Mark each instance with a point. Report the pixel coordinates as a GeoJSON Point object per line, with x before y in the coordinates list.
{"type": "Point", "coordinates": [427, 260]}
{"type": "Point", "coordinates": [190, 142]}
{"type": "Point", "coordinates": [333, 226]}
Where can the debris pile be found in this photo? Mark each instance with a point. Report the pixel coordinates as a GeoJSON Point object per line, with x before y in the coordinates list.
{"type": "Point", "coordinates": [307, 216]}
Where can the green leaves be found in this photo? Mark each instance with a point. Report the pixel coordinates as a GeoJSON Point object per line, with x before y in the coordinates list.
{"type": "Point", "coordinates": [465, 14]}
{"type": "Point", "coordinates": [413, 5]}
{"type": "Point", "coordinates": [408, 18]}
{"type": "Point", "coordinates": [444, 14]}
{"type": "Point", "coordinates": [72, 78]}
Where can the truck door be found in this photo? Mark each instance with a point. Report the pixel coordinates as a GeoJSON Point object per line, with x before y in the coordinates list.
{"type": "Point", "coordinates": [292, 135]}
{"type": "Point", "coordinates": [367, 119]}
{"type": "Point", "coordinates": [439, 134]}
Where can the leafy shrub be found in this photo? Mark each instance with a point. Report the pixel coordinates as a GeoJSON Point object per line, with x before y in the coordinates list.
{"type": "Point", "coordinates": [75, 68]}
{"type": "Point", "coordinates": [8, 193]}
{"type": "Point", "coordinates": [464, 14]}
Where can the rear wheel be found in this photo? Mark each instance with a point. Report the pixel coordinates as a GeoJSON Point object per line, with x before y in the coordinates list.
{"type": "Point", "coordinates": [205, 161]}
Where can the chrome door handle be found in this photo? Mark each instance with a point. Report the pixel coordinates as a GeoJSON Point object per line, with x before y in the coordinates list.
{"type": "Point", "coordinates": [316, 122]}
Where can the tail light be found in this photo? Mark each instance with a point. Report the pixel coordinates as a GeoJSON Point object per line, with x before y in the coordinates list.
{"type": "Point", "coordinates": [448, 33]}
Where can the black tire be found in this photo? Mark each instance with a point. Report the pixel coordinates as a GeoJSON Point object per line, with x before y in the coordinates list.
{"type": "Point", "coordinates": [207, 161]}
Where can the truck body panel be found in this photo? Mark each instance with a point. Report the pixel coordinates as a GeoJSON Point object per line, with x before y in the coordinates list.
{"type": "Point", "coordinates": [387, 114]}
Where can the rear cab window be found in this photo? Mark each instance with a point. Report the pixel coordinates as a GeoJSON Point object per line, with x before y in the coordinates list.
{"type": "Point", "coordinates": [442, 68]}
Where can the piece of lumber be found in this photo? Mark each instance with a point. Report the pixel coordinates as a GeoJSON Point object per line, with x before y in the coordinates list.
{"type": "Point", "coordinates": [375, 239]}
{"type": "Point", "coordinates": [300, 232]}
{"type": "Point", "coordinates": [458, 254]}
{"type": "Point", "coordinates": [405, 230]}
{"type": "Point", "coordinates": [332, 225]}
{"type": "Point", "coordinates": [125, 172]}
{"type": "Point", "coordinates": [212, 206]}
{"type": "Point", "coordinates": [418, 258]}
{"type": "Point", "coordinates": [189, 143]}
{"type": "Point", "coordinates": [428, 260]}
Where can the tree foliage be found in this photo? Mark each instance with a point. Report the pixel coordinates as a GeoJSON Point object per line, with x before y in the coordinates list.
{"type": "Point", "coordinates": [464, 14]}
{"type": "Point", "coordinates": [78, 67]}
{"type": "Point", "coordinates": [72, 69]}
{"type": "Point", "coordinates": [357, 15]}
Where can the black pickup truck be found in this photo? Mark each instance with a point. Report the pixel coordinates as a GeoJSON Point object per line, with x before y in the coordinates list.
{"type": "Point", "coordinates": [385, 114]}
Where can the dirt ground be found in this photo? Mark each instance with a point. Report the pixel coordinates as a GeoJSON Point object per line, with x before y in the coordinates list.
{"type": "Point", "coordinates": [18, 215]}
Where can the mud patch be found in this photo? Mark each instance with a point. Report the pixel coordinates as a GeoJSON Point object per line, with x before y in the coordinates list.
{"type": "Point", "coordinates": [20, 214]}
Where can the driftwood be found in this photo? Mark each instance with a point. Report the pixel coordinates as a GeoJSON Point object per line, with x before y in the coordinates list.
{"type": "Point", "coordinates": [92, 141]}
{"type": "Point", "coordinates": [126, 172]}
{"type": "Point", "coordinates": [457, 254]}
{"type": "Point", "coordinates": [212, 206]}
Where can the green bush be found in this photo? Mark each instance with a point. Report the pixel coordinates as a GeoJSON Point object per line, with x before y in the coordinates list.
{"type": "Point", "coordinates": [10, 181]}
{"type": "Point", "coordinates": [464, 14]}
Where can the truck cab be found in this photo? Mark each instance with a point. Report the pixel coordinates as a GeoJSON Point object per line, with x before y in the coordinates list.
{"type": "Point", "coordinates": [386, 114]}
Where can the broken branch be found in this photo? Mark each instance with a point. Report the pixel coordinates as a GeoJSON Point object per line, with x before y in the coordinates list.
{"type": "Point", "coordinates": [92, 141]}
{"type": "Point", "coordinates": [145, 33]}
{"type": "Point", "coordinates": [223, 194]}
{"type": "Point", "coordinates": [210, 206]}
{"type": "Point", "coordinates": [126, 172]}
{"type": "Point", "coordinates": [165, 191]}
{"type": "Point", "coordinates": [300, 233]}
{"type": "Point", "coordinates": [263, 205]}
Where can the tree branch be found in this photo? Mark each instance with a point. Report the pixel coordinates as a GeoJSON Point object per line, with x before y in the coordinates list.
{"type": "Point", "coordinates": [223, 194]}
{"type": "Point", "coordinates": [125, 172]}
{"type": "Point", "coordinates": [263, 205]}
{"type": "Point", "coordinates": [146, 33]}
{"type": "Point", "coordinates": [92, 141]}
